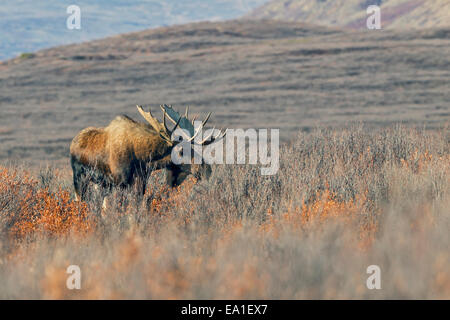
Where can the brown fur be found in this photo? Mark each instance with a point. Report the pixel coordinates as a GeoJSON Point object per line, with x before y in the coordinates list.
{"type": "Point", "coordinates": [119, 153]}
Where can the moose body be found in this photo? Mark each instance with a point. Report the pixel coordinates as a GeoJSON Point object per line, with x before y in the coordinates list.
{"type": "Point", "coordinates": [125, 150]}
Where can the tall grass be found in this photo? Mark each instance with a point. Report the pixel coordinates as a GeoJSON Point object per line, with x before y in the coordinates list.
{"type": "Point", "coordinates": [341, 201]}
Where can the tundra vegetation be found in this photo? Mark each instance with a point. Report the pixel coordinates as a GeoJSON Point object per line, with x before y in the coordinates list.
{"type": "Point", "coordinates": [343, 199]}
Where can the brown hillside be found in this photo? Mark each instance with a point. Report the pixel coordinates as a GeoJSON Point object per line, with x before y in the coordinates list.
{"type": "Point", "coordinates": [249, 73]}
{"type": "Point", "coordinates": [395, 14]}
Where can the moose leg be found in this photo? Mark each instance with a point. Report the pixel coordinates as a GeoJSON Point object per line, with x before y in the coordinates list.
{"type": "Point", "coordinates": [106, 194]}
{"type": "Point", "coordinates": [78, 179]}
{"type": "Point", "coordinates": [140, 176]}
{"type": "Point", "coordinates": [173, 172]}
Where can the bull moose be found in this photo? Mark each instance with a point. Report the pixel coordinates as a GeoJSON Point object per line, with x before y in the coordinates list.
{"type": "Point", "coordinates": [125, 150]}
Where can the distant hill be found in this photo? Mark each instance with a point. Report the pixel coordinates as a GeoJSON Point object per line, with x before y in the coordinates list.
{"type": "Point", "coordinates": [29, 25]}
{"type": "Point", "coordinates": [250, 74]}
{"type": "Point", "coordinates": [395, 14]}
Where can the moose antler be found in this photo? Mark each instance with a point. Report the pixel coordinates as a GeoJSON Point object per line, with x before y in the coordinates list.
{"type": "Point", "coordinates": [175, 117]}
{"type": "Point", "coordinates": [159, 127]}
{"type": "Point", "coordinates": [150, 119]}
{"type": "Point", "coordinates": [165, 125]}
{"type": "Point", "coordinates": [209, 139]}
{"type": "Point", "coordinates": [189, 125]}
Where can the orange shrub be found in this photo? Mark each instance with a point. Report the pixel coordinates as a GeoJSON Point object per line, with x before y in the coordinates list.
{"type": "Point", "coordinates": [30, 209]}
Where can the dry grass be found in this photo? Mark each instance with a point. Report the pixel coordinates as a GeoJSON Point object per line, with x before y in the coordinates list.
{"type": "Point", "coordinates": [342, 200]}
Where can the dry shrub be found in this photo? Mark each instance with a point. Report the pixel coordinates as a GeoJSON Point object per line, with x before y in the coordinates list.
{"type": "Point", "coordinates": [28, 209]}
{"type": "Point", "coordinates": [342, 200]}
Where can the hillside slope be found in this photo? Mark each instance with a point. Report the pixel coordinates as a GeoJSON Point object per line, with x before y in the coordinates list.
{"type": "Point", "coordinates": [395, 14]}
{"type": "Point", "coordinates": [29, 25]}
{"type": "Point", "coordinates": [259, 74]}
